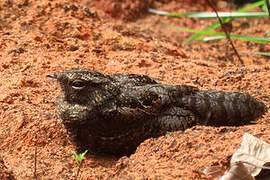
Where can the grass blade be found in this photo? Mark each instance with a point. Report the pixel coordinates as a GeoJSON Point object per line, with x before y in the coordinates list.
{"type": "Point", "coordinates": [256, 53]}
{"type": "Point", "coordinates": [226, 17]}
{"type": "Point", "coordinates": [212, 14]}
{"type": "Point", "coordinates": [234, 36]}
{"type": "Point", "coordinates": [216, 24]}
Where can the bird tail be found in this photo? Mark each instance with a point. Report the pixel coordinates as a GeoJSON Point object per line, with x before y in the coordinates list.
{"type": "Point", "coordinates": [224, 108]}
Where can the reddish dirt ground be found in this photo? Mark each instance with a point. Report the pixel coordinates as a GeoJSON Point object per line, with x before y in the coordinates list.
{"type": "Point", "coordinates": [40, 37]}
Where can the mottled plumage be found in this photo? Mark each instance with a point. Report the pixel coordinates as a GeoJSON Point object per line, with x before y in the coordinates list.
{"type": "Point", "coordinates": [114, 114]}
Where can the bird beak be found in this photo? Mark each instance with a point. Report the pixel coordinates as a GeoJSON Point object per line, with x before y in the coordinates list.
{"type": "Point", "coordinates": [53, 75]}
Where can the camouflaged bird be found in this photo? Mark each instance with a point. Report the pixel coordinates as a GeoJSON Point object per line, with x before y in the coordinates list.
{"type": "Point", "coordinates": [114, 114]}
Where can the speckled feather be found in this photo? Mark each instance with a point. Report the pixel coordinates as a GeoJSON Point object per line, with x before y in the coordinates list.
{"type": "Point", "coordinates": [114, 114]}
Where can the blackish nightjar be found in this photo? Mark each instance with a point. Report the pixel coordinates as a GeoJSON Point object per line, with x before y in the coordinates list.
{"type": "Point", "coordinates": [113, 114]}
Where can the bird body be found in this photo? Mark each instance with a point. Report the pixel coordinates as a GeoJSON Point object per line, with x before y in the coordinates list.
{"type": "Point", "coordinates": [114, 114]}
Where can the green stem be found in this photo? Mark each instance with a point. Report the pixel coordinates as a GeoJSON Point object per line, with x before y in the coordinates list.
{"type": "Point", "coordinates": [78, 171]}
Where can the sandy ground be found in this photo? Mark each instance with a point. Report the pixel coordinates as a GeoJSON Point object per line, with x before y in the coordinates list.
{"type": "Point", "coordinates": [41, 37]}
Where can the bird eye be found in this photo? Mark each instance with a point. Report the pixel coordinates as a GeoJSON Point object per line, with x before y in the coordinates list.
{"type": "Point", "coordinates": [78, 84]}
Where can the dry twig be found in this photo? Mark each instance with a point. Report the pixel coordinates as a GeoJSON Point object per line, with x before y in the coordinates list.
{"type": "Point", "coordinates": [225, 31]}
{"type": "Point", "coordinates": [35, 158]}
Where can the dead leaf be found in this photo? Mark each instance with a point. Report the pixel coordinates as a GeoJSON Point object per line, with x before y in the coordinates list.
{"type": "Point", "coordinates": [237, 172]}
{"type": "Point", "coordinates": [253, 151]}
{"type": "Point", "coordinates": [249, 160]}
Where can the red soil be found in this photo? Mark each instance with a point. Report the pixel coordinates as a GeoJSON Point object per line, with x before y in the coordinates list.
{"type": "Point", "coordinates": [40, 37]}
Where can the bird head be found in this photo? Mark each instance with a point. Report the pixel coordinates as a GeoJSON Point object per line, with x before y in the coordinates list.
{"type": "Point", "coordinates": [82, 85]}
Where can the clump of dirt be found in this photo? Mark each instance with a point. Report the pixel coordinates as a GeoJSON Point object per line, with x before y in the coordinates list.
{"type": "Point", "coordinates": [132, 10]}
{"type": "Point", "coordinates": [5, 173]}
{"type": "Point", "coordinates": [41, 37]}
{"type": "Point", "coordinates": [126, 10]}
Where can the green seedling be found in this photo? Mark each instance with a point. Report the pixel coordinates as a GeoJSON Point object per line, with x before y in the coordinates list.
{"type": "Point", "coordinates": [78, 159]}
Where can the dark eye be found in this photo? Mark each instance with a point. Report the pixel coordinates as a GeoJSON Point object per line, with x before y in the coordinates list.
{"type": "Point", "coordinates": [78, 84]}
